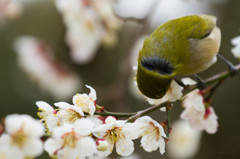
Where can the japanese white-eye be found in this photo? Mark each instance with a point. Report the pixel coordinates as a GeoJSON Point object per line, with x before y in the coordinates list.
{"type": "Point", "coordinates": [182, 46]}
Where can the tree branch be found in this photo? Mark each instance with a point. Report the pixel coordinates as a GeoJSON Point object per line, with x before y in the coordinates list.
{"type": "Point", "coordinates": [133, 116]}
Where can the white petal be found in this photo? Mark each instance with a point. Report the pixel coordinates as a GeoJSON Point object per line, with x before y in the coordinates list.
{"type": "Point", "coordinates": [45, 106]}
{"type": "Point", "coordinates": [77, 109]}
{"type": "Point", "coordinates": [58, 132]}
{"type": "Point", "coordinates": [92, 108]}
{"type": "Point", "coordinates": [124, 147]}
{"type": "Point", "coordinates": [149, 143]}
{"type": "Point", "coordinates": [131, 130]}
{"type": "Point", "coordinates": [95, 119]}
{"type": "Point", "coordinates": [101, 130]}
{"type": "Point", "coordinates": [62, 105]}
{"type": "Point", "coordinates": [51, 145]}
{"type": "Point", "coordinates": [51, 122]}
{"type": "Point", "coordinates": [86, 146]}
{"type": "Point", "coordinates": [83, 127]}
{"type": "Point", "coordinates": [67, 153]}
{"type": "Point", "coordinates": [175, 91]}
{"type": "Point", "coordinates": [92, 93]}
{"type": "Point", "coordinates": [161, 145]}
{"type": "Point", "coordinates": [188, 81]}
{"type": "Point", "coordinates": [236, 40]}
{"type": "Point", "coordinates": [33, 148]}
{"type": "Point", "coordinates": [211, 123]}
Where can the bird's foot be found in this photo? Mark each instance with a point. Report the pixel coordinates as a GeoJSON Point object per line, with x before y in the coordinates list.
{"type": "Point", "coordinates": [232, 69]}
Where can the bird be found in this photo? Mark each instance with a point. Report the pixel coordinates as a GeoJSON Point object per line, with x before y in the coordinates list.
{"type": "Point", "coordinates": [182, 46]}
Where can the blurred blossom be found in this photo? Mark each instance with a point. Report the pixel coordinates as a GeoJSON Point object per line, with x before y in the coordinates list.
{"type": "Point", "coordinates": [184, 141]}
{"type": "Point", "coordinates": [200, 115]}
{"type": "Point", "coordinates": [161, 10]}
{"type": "Point", "coordinates": [133, 61]}
{"type": "Point", "coordinates": [236, 49]}
{"type": "Point", "coordinates": [135, 50]}
{"type": "Point", "coordinates": [71, 141]}
{"type": "Point", "coordinates": [89, 24]}
{"type": "Point", "coordinates": [22, 137]}
{"type": "Point", "coordinates": [152, 134]}
{"type": "Point", "coordinates": [10, 9]}
{"type": "Point", "coordinates": [38, 61]}
{"type": "Point", "coordinates": [118, 133]}
{"type": "Point", "coordinates": [168, 9]}
{"type": "Point", "coordinates": [137, 9]}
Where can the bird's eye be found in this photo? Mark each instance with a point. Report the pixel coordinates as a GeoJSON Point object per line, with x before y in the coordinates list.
{"type": "Point", "coordinates": [206, 35]}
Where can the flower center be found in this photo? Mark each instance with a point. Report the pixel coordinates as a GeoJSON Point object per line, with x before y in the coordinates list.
{"type": "Point", "coordinates": [73, 116]}
{"type": "Point", "coordinates": [153, 130]}
{"type": "Point", "coordinates": [19, 138]}
{"type": "Point", "coordinates": [82, 101]}
{"type": "Point", "coordinates": [70, 139]}
{"type": "Point", "coordinates": [115, 134]}
{"type": "Point", "coordinates": [182, 140]}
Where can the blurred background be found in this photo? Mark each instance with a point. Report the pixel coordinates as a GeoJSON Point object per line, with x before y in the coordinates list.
{"type": "Point", "coordinates": [49, 51]}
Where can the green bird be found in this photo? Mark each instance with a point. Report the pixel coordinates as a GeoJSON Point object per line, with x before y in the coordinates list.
{"type": "Point", "coordinates": [182, 46]}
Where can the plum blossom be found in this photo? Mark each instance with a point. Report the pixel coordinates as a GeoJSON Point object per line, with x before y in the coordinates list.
{"type": "Point", "coordinates": [71, 141]}
{"type": "Point", "coordinates": [10, 9]}
{"type": "Point", "coordinates": [48, 115]}
{"type": "Point", "coordinates": [37, 60]}
{"type": "Point", "coordinates": [199, 114]}
{"type": "Point", "coordinates": [138, 9]}
{"type": "Point", "coordinates": [22, 137]}
{"type": "Point", "coordinates": [236, 49]}
{"type": "Point", "coordinates": [118, 133]}
{"type": "Point", "coordinates": [89, 24]}
{"type": "Point", "coordinates": [152, 134]}
{"type": "Point", "coordinates": [68, 113]}
{"type": "Point", "coordinates": [184, 142]}
{"type": "Point", "coordinates": [86, 102]}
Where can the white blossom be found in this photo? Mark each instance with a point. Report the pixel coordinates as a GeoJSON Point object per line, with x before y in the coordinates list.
{"type": "Point", "coordinates": [138, 9]}
{"type": "Point", "coordinates": [118, 133]}
{"type": "Point", "coordinates": [184, 142]}
{"type": "Point", "coordinates": [10, 9]}
{"type": "Point", "coordinates": [48, 115]}
{"type": "Point", "coordinates": [236, 49]}
{"type": "Point", "coordinates": [89, 24]}
{"type": "Point", "coordinates": [68, 113]}
{"type": "Point", "coordinates": [197, 114]}
{"type": "Point", "coordinates": [152, 134]}
{"type": "Point", "coordinates": [71, 141]}
{"type": "Point", "coordinates": [22, 137]}
{"type": "Point", "coordinates": [86, 102]}
{"type": "Point", "coordinates": [174, 93]}
{"type": "Point", "coordinates": [37, 60]}
{"type": "Point", "coordinates": [188, 81]}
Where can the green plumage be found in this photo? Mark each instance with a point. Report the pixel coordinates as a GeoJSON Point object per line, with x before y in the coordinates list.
{"type": "Point", "coordinates": [167, 50]}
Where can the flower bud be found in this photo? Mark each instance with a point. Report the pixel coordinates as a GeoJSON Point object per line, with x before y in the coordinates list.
{"type": "Point", "coordinates": [102, 145]}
